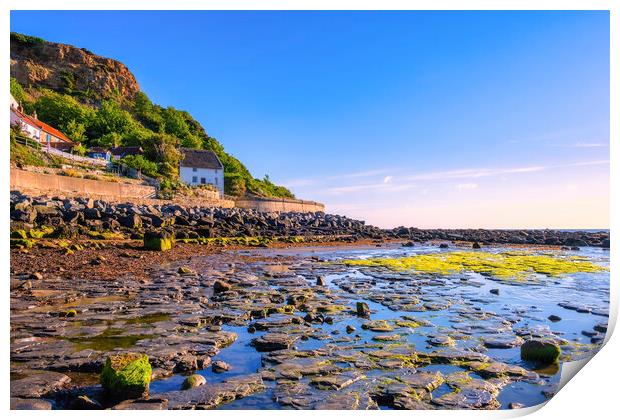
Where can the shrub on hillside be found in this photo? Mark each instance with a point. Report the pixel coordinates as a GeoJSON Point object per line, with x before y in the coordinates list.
{"type": "Point", "coordinates": [26, 39]}
{"type": "Point", "coordinates": [141, 164]}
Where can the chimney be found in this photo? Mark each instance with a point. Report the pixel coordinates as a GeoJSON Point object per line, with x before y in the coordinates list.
{"type": "Point", "coordinates": [34, 115]}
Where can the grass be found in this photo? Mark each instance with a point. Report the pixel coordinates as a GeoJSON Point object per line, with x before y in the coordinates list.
{"type": "Point", "coordinates": [504, 265]}
{"type": "Point", "coordinates": [27, 156]}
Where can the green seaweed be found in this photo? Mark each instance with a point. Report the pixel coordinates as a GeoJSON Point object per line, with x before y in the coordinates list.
{"type": "Point", "coordinates": [505, 265]}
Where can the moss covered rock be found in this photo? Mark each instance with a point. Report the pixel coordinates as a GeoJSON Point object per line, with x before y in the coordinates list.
{"type": "Point", "coordinates": [193, 381]}
{"type": "Point", "coordinates": [71, 313]}
{"type": "Point", "coordinates": [185, 270]}
{"type": "Point", "coordinates": [19, 234]}
{"type": "Point", "coordinates": [42, 232]}
{"type": "Point", "coordinates": [158, 241]}
{"type": "Point", "coordinates": [126, 376]}
{"type": "Point", "coordinates": [22, 243]}
{"type": "Point", "coordinates": [543, 351]}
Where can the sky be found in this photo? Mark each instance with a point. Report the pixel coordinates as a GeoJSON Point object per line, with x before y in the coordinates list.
{"type": "Point", "coordinates": [426, 119]}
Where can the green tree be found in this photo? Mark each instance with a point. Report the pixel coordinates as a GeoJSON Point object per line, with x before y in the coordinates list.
{"type": "Point", "coordinates": [60, 111]}
{"type": "Point", "coordinates": [111, 118]}
{"type": "Point", "coordinates": [17, 91]}
{"type": "Point", "coordinates": [163, 148]}
{"type": "Point", "coordinates": [140, 163]}
{"type": "Point", "coordinates": [108, 140]}
{"type": "Point", "coordinates": [79, 149]}
{"type": "Point", "coordinates": [148, 114]}
{"type": "Point", "coordinates": [76, 131]}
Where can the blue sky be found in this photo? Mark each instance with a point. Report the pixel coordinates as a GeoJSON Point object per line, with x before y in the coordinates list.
{"type": "Point", "coordinates": [429, 119]}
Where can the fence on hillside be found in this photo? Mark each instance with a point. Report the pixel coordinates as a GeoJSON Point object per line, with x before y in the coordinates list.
{"type": "Point", "coordinates": [27, 141]}
{"type": "Point", "coordinates": [128, 171]}
{"type": "Point", "coordinates": [76, 158]}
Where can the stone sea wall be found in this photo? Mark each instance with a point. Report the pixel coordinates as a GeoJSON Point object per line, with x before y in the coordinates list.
{"type": "Point", "coordinates": [279, 205]}
{"type": "Point", "coordinates": [31, 181]}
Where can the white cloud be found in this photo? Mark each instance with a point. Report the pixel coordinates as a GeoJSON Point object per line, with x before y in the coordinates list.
{"type": "Point", "coordinates": [363, 174]}
{"type": "Point", "coordinates": [585, 145]}
{"type": "Point", "coordinates": [467, 186]}
{"type": "Point", "coordinates": [390, 183]}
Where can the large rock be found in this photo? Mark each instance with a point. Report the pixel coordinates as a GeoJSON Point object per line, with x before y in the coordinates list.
{"type": "Point", "coordinates": [220, 286]}
{"type": "Point", "coordinates": [362, 309]}
{"type": "Point", "coordinates": [193, 381]}
{"type": "Point", "coordinates": [126, 376]}
{"type": "Point", "coordinates": [158, 240]}
{"type": "Point", "coordinates": [211, 395]}
{"type": "Point", "coordinates": [543, 351]}
{"type": "Point", "coordinates": [30, 404]}
{"type": "Point", "coordinates": [39, 384]}
{"type": "Point", "coordinates": [132, 221]}
{"type": "Point", "coordinates": [274, 341]}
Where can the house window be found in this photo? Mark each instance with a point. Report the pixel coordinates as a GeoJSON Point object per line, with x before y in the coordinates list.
{"type": "Point", "coordinates": [215, 180]}
{"type": "Point", "coordinates": [203, 180]}
{"type": "Point", "coordinates": [194, 179]}
{"type": "Point", "coordinates": [194, 169]}
{"type": "Point", "coordinates": [48, 138]}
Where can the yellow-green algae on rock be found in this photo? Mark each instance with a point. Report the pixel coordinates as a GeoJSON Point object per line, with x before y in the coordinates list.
{"type": "Point", "coordinates": [503, 265]}
{"type": "Point", "coordinates": [126, 375]}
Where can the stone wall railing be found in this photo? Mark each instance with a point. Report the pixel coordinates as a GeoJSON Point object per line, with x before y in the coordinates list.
{"type": "Point", "coordinates": [279, 205]}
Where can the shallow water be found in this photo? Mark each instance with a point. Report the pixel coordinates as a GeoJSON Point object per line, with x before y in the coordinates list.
{"type": "Point", "coordinates": [517, 308]}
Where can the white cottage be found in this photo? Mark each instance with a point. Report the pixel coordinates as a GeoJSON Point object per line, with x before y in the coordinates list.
{"type": "Point", "coordinates": [202, 167]}
{"type": "Point", "coordinates": [27, 124]}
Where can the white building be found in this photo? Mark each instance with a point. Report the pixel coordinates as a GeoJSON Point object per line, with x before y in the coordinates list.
{"type": "Point", "coordinates": [202, 167]}
{"type": "Point", "coordinates": [27, 124]}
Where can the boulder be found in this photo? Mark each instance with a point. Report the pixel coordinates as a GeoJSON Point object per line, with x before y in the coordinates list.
{"type": "Point", "coordinates": [132, 221]}
{"type": "Point", "coordinates": [39, 384]}
{"type": "Point", "coordinates": [362, 309]}
{"type": "Point", "coordinates": [126, 375]}
{"type": "Point", "coordinates": [221, 286]}
{"type": "Point", "coordinates": [543, 351]}
{"type": "Point", "coordinates": [193, 381]}
{"type": "Point", "coordinates": [273, 341]}
{"type": "Point", "coordinates": [220, 366]}
{"type": "Point", "coordinates": [158, 240]}
{"type": "Point", "coordinates": [30, 404]}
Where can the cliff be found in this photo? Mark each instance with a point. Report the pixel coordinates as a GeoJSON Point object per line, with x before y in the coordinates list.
{"type": "Point", "coordinates": [65, 68]}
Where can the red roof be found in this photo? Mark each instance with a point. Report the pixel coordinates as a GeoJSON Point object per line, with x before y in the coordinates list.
{"type": "Point", "coordinates": [51, 130]}
{"type": "Point", "coordinates": [27, 119]}
{"type": "Point", "coordinates": [40, 124]}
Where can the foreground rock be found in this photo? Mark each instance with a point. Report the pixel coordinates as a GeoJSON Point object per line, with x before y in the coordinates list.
{"type": "Point", "coordinates": [39, 384]}
{"type": "Point", "coordinates": [126, 375]}
{"type": "Point", "coordinates": [30, 404]}
{"type": "Point", "coordinates": [273, 341]}
{"type": "Point", "coordinates": [193, 381]}
{"type": "Point", "coordinates": [543, 351]}
{"type": "Point", "coordinates": [211, 395]}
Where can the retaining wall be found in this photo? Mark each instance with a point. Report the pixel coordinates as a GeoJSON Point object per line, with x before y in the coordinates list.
{"type": "Point", "coordinates": [48, 183]}
{"type": "Point", "coordinates": [279, 205]}
{"type": "Point", "coordinates": [35, 183]}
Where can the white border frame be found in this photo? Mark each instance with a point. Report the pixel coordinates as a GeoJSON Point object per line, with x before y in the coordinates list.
{"type": "Point", "coordinates": [591, 395]}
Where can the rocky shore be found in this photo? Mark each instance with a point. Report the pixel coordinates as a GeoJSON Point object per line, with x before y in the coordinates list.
{"type": "Point", "coordinates": [71, 218]}
{"type": "Point", "coordinates": [255, 310]}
